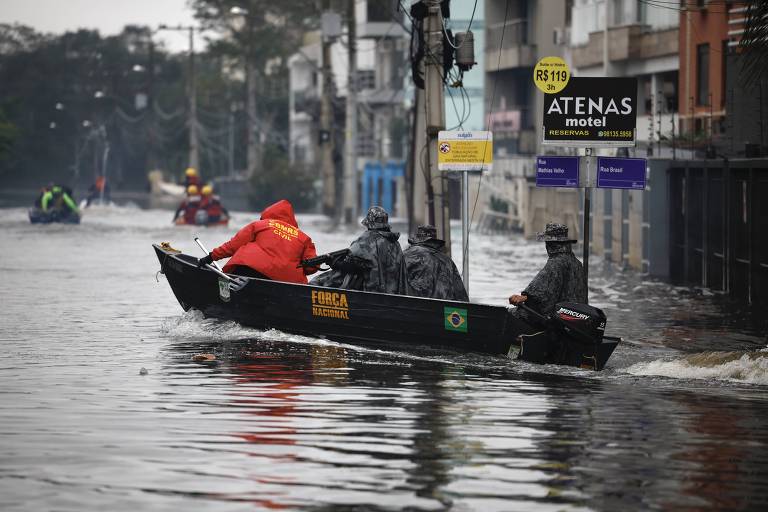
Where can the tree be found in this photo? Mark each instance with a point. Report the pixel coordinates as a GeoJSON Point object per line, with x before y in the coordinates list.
{"type": "Point", "coordinates": [259, 35]}
{"type": "Point", "coordinates": [8, 134]}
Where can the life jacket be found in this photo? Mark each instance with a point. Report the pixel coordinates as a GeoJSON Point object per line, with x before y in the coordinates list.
{"type": "Point", "coordinates": [273, 246]}
{"type": "Point", "coordinates": [192, 180]}
{"type": "Point", "coordinates": [192, 204]}
{"type": "Point", "coordinates": [212, 205]}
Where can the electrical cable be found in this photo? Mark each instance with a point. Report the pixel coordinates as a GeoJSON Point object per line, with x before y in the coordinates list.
{"type": "Point", "coordinates": [488, 126]}
{"type": "Point", "coordinates": [471, 19]}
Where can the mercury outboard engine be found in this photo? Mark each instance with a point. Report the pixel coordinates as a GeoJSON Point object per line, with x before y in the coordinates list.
{"type": "Point", "coordinates": [581, 321]}
{"type": "Point", "coordinates": [573, 336]}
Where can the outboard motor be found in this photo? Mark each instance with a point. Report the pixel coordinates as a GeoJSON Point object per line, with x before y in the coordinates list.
{"type": "Point", "coordinates": [572, 336]}
{"type": "Point", "coordinates": [581, 321]}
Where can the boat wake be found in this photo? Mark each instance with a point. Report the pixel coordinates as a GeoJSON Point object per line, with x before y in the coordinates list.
{"type": "Point", "coordinates": [742, 367]}
{"type": "Point", "coordinates": [192, 326]}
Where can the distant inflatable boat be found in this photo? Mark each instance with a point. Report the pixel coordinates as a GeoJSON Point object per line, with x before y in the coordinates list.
{"type": "Point", "coordinates": [358, 317]}
{"type": "Point", "coordinates": [38, 216]}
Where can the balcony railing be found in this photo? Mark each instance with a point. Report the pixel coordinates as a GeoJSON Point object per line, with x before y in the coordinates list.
{"type": "Point", "coordinates": [515, 34]}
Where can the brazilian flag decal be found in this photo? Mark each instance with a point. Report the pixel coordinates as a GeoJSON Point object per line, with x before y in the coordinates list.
{"type": "Point", "coordinates": [455, 319]}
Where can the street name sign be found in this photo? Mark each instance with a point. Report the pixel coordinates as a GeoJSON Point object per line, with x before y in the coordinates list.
{"type": "Point", "coordinates": [557, 171]}
{"type": "Point", "coordinates": [592, 112]}
{"type": "Point", "coordinates": [464, 151]}
{"type": "Point", "coordinates": [626, 173]}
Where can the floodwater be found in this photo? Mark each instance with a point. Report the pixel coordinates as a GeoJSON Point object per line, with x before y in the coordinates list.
{"type": "Point", "coordinates": [104, 407]}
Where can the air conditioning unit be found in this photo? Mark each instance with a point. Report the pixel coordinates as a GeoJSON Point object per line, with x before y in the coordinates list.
{"type": "Point", "coordinates": [561, 35]}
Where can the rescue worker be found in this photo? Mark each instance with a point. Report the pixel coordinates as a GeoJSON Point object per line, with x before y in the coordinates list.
{"type": "Point", "coordinates": [97, 190]}
{"type": "Point", "coordinates": [431, 273]}
{"type": "Point", "coordinates": [43, 191]}
{"type": "Point", "coordinates": [269, 248]}
{"type": "Point", "coordinates": [211, 205]}
{"type": "Point", "coordinates": [185, 213]}
{"type": "Point", "coordinates": [191, 177]}
{"type": "Point", "coordinates": [59, 200]}
{"type": "Point", "coordinates": [561, 279]}
{"type": "Point", "coordinates": [375, 262]}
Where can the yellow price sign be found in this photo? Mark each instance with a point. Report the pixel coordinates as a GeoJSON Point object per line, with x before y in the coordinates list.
{"type": "Point", "coordinates": [551, 75]}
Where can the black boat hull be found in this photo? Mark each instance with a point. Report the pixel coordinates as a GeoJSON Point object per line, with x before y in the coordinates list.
{"type": "Point", "coordinates": [344, 315]}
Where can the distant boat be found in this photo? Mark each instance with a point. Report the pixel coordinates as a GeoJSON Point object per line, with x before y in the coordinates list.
{"type": "Point", "coordinates": [38, 216]}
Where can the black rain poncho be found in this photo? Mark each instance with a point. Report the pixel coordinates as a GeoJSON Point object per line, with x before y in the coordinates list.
{"type": "Point", "coordinates": [431, 273]}
{"type": "Point", "coordinates": [561, 280]}
{"type": "Point", "coordinates": [375, 264]}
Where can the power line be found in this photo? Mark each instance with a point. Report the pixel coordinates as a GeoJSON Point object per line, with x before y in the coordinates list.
{"type": "Point", "coordinates": [488, 124]}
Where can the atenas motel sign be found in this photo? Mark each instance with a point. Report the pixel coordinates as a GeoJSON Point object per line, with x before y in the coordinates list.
{"type": "Point", "coordinates": [592, 112]}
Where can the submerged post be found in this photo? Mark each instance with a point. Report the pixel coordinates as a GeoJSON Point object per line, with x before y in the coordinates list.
{"type": "Point", "coordinates": [589, 152]}
{"type": "Point", "coordinates": [465, 229]}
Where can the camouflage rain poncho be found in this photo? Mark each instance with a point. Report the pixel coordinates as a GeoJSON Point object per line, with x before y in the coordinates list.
{"type": "Point", "coordinates": [375, 264]}
{"type": "Point", "coordinates": [561, 279]}
{"type": "Point", "coordinates": [431, 273]}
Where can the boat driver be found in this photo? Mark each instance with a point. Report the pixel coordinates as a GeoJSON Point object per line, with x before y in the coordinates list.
{"type": "Point", "coordinates": [561, 279]}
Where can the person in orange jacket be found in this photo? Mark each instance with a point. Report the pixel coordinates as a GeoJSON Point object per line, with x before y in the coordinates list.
{"type": "Point", "coordinates": [185, 213]}
{"type": "Point", "coordinates": [269, 248]}
{"type": "Point", "coordinates": [211, 204]}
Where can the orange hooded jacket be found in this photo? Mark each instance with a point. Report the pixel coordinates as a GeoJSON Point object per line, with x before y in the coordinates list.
{"type": "Point", "coordinates": [273, 245]}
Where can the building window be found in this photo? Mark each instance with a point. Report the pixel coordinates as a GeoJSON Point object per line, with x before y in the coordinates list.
{"type": "Point", "coordinates": [702, 74]}
{"type": "Point", "coordinates": [366, 79]}
{"type": "Point", "coordinates": [724, 73]}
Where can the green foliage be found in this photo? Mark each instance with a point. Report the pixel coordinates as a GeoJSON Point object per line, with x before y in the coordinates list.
{"type": "Point", "coordinates": [266, 29]}
{"type": "Point", "coordinates": [282, 180]}
{"type": "Point", "coordinates": [8, 134]}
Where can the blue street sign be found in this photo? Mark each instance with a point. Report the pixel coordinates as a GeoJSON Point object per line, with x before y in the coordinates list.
{"type": "Point", "coordinates": [621, 173]}
{"type": "Point", "coordinates": [557, 171]}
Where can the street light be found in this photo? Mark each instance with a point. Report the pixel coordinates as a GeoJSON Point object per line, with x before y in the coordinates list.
{"type": "Point", "coordinates": [194, 160]}
{"type": "Point", "coordinates": [238, 11]}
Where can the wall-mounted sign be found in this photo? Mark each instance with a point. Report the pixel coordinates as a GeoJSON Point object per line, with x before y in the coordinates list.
{"type": "Point", "coordinates": [592, 112]}
{"type": "Point", "coordinates": [621, 173]}
{"type": "Point", "coordinates": [557, 171]}
{"type": "Point", "coordinates": [464, 151]}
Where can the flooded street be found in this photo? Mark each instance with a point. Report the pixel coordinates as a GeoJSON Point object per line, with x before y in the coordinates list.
{"type": "Point", "coordinates": [102, 406]}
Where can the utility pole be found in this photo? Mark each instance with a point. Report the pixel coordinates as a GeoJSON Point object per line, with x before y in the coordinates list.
{"type": "Point", "coordinates": [327, 137]}
{"type": "Point", "coordinates": [231, 139]}
{"type": "Point", "coordinates": [435, 118]}
{"type": "Point", "coordinates": [350, 162]}
{"type": "Point", "coordinates": [194, 158]}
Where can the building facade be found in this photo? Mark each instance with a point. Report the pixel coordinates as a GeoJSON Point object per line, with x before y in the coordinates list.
{"type": "Point", "coordinates": [381, 44]}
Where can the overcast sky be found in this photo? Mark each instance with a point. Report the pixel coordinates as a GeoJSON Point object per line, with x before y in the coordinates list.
{"type": "Point", "coordinates": [108, 16]}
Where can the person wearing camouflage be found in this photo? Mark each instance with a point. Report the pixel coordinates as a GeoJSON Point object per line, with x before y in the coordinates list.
{"type": "Point", "coordinates": [431, 273]}
{"type": "Point", "coordinates": [561, 279]}
{"type": "Point", "coordinates": [375, 262]}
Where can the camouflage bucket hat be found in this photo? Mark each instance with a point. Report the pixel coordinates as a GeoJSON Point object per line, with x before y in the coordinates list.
{"type": "Point", "coordinates": [555, 233]}
{"type": "Point", "coordinates": [423, 233]}
{"type": "Point", "coordinates": [376, 218]}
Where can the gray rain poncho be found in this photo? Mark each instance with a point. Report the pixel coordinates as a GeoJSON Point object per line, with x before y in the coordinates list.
{"type": "Point", "coordinates": [375, 264]}
{"type": "Point", "coordinates": [431, 273]}
{"type": "Point", "coordinates": [561, 279]}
